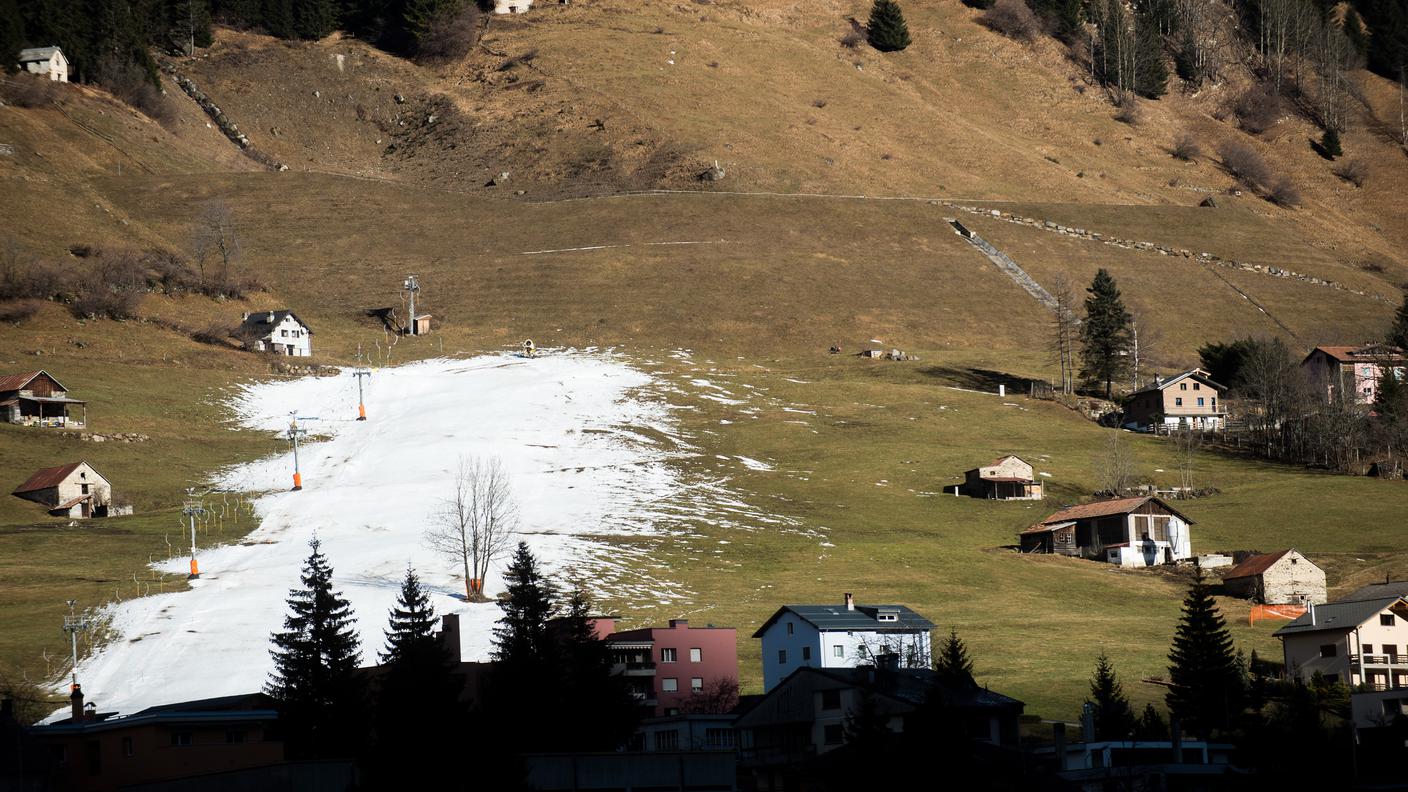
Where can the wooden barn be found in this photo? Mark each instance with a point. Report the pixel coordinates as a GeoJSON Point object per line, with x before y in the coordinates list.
{"type": "Point", "coordinates": [1132, 532]}
{"type": "Point", "coordinates": [1005, 478]}
{"type": "Point", "coordinates": [35, 398]}
{"type": "Point", "coordinates": [72, 490]}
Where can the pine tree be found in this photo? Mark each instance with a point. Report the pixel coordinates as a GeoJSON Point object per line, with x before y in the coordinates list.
{"type": "Point", "coordinates": [953, 663]}
{"type": "Point", "coordinates": [1114, 719]}
{"type": "Point", "coordinates": [1330, 143]}
{"type": "Point", "coordinates": [315, 663]}
{"type": "Point", "coordinates": [521, 640]}
{"type": "Point", "coordinates": [1398, 333]}
{"type": "Point", "coordinates": [1105, 333]}
{"type": "Point", "coordinates": [314, 19]}
{"type": "Point", "coordinates": [1207, 683]}
{"type": "Point", "coordinates": [1354, 32]}
{"type": "Point", "coordinates": [1151, 75]}
{"type": "Point", "coordinates": [887, 29]}
{"type": "Point", "coordinates": [597, 711]}
{"type": "Point", "coordinates": [11, 36]}
{"type": "Point", "coordinates": [1151, 725]}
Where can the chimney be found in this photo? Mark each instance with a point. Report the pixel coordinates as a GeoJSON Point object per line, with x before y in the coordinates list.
{"type": "Point", "coordinates": [1058, 733]}
{"type": "Point", "coordinates": [1087, 722]}
{"type": "Point", "coordinates": [450, 635]}
{"type": "Point", "coordinates": [679, 624]}
{"type": "Point", "coordinates": [270, 320]}
{"type": "Point", "coordinates": [245, 317]}
{"type": "Point", "coordinates": [76, 699]}
{"type": "Point", "coordinates": [1312, 613]}
{"type": "Point", "coordinates": [850, 602]}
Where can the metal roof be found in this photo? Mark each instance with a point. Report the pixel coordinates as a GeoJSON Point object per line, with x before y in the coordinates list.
{"type": "Point", "coordinates": [1255, 565]}
{"type": "Point", "coordinates": [1367, 353]}
{"type": "Point", "coordinates": [48, 477]}
{"type": "Point", "coordinates": [37, 54]}
{"type": "Point", "coordinates": [1197, 374]}
{"type": "Point", "coordinates": [14, 382]}
{"type": "Point", "coordinates": [1107, 508]}
{"type": "Point", "coordinates": [1341, 616]}
{"type": "Point", "coordinates": [864, 617]}
{"type": "Point", "coordinates": [260, 320]}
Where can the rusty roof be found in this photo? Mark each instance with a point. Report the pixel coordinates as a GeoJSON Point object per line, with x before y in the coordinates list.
{"type": "Point", "coordinates": [46, 478]}
{"type": "Point", "coordinates": [1107, 508]}
{"type": "Point", "coordinates": [14, 382]}
{"type": "Point", "coordinates": [1255, 565]}
{"type": "Point", "coordinates": [1364, 353]}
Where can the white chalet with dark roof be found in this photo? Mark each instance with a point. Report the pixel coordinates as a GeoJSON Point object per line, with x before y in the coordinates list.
{"type": "Point", "coordinates": [280, 332]}
{"type": "Point", "coordinates": [841, 636]}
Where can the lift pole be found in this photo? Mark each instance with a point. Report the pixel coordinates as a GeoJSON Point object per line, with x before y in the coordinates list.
{"type": "Point", "coordinates": [361, 405]}
{"type": "Point", "coordinates": [191, 509]}
{"type": "Point", "coordinates": [73, 625]}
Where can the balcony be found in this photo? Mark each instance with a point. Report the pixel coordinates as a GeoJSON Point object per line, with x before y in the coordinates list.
{"type": "Point", "coordinates": [1380, 661]}
{"type": "Point", "coordinates": [636, 668]}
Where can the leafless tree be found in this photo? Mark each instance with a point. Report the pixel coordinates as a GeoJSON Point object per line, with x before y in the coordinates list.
{"type": "Point", "coordinates": [911, 649]}
{"type": "Point", "coordinates": [475, 524]}
{"type": "Point", "coordinates": [1144, 341]}
{"type": "Point", "coordinates": [1065, 331]}
{"type": "Point", "coordinates": [1114, 468]}
{"type": "Point", "coordinates": [1187, 442]}
{"type": "Point", "coordinates": [215, 245]}
{"type": "Point", "coordinates": [719, 695]}
{"type": "Point", "coordinates": [1273, 384]}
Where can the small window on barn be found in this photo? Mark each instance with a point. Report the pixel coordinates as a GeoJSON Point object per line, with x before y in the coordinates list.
{"type": "Point", "coordinates": [1386, 619]}
{"type": "Point", "coordinates": [838, 651]}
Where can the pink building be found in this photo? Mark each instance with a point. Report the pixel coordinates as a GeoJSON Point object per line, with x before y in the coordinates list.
{"type": "Point", "coordinates": [675, 669]}
{"type": "Point", "coordinates": [1352, 373]}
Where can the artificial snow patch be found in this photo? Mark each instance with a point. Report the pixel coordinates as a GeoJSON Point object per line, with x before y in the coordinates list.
{"type": "Point", "coordinates": [561, 425]}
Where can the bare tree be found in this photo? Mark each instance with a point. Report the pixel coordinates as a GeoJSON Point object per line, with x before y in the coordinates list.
{"type": "Point", "coordinates": [1187, 442]}
{"type": "Point", "coordinates": [719, 695]}
{"type": "Point", "coordinates": [475, 524]}
{"type": "Point", "coordinates": [1144, 341]}
{"type": "Point", "coordinates": [1064, 329]}
{"type": "Point", "coordinates": [1114, 468]}
{"type": "Point", "coordinates": [215, 246]}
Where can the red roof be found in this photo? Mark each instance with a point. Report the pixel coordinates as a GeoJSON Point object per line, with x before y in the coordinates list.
{"type": "Point", "coordinates": [14, 382]}
{"type": "Point", "coordinates": [1107, 508]}
{"type": "Point", "coordinates": [46, 478]}
{"type": "Point", "coordinates": [1255, 565]}
{"type": "Point", "coordinates": [1368, 352]}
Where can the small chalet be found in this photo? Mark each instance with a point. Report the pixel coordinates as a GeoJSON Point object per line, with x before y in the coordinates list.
{"type": "Point", "coordinates": [72, 490]}
{"type": "Point", "coordinates": [35, 398]}
{"type": "Point", "coordinates": [1284, 578]}
{"type": "Point", "coordinates": [47, 61]}
{"type": "Point", "coordinates": [1186, 401]}
{"type": "Point", "coordinates": [841, 636]}
{"type": "Point", "coordinates": [1131, 532]}
{"type": "Point", "coordinates": [1352, 373]}
{"type": "Point", "coordinates": [280, 332]}
{"type": "Point", "coordinates": [1005, 478]}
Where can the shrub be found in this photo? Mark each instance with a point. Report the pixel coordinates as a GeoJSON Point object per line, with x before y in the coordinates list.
{"type": "Point", "coordinates": [18, 310]}
{"type": "Point", "coordinates": [1012, 18]}
{"type": "Point", "coordinates": [450, 35]}
{"type": "Point", "coordinates": [852, 39]}
{"type": "Point", "coordinates": [1330, 143]}
{"type": "Point", "coordinates": [97, 300]}
{"type": "Point", "coordinates": [887, 30]}
{"type": "Point", "coordinates": [1284, 193]}
{"type": "Point", "coordinates": [1355, 171]}
{"type": "Point", "coordinates": [29, 90]}
{"type": "Point", "coordinates": [1186, 148]}
{"type": "Point", "coordinates": [1244, 164]}
{"type": "Point", "coordinates": [1257, 109]}
{"type": "Point", "coordinates": [1129, 111]}
{"type": "Point", "coordinates": [216, 334]}
{"type": "Point", "coordinates": [23, 277]}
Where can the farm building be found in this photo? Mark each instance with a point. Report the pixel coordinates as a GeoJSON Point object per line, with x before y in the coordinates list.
{"type": "Point", "coordinates": [72, 490]}
{"type": "Point", "coordinates": [1284, 578]}
{"type": "Point", "coordinates": [1132, 532]}
{"type": "Point", "coordinates": [49, 61]}
{"type": "Point", "coordinates": [35, 398]}
{"type": "Point", "coordinates": [512, 6]}
{"type": "Point", "coordinates": [1188, 400]}
{"type": "Point", "coordinates": [1005, 478]}
{"type": "Point", "coordinates": [280, 332]}
{"type": "Point", "coordinates": [1352, 373]}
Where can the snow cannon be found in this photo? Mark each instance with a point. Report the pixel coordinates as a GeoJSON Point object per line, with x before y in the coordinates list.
{"type": "Point", "coordinates": [528, 348]}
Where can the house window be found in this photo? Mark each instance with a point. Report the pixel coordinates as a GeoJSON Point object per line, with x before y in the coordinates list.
{"type": "Point", "coordinates": [838, 651]}
{"type": "Point", "coordinates": [1178, 401]}
{"type": "Point", "coordinates": [1200, 401]}
{"type": "Point", "coordinates": [720, 738]}
{"type": "Point", "coordinates": [1196, 386]}
{"type": "Point", "coordinates": [696, 655]}
{"type": "Point", "coordinates": [667, 740]}
{"type": "Point", "coordinates": [789, 628]}
{"type": "Point", "coordinates": [1329, 650]}
{"type": "Point", "coordinates": [696, 684]}
{"type": "Point", "coordinates": [126, 746]}
{"type": "Point", "coordinates": [1183, 386]}
{"type": "Point", "coordinates": [832, 734]}
{"type": "Point", "coordinates": [831, 699]}
{"type": "Point", "coordinates": [668, 655]}
{"type": "Point", "coordinates": [182, 738]}
{"type": "Point", "coordinates": [234, 736]}
{"type": "Point", "coordinates": [806, 653]}
{"type": "Point", "coordinates": [782, 656]}
{"type": "Point", "coordinates": [1214, 402]}
{"type": "Point", "coordinates": [1368, 649]}
{"type": "Point", "coordinates": [1386, 619]}
{"type": "Point", "coordinates": [670, 685]}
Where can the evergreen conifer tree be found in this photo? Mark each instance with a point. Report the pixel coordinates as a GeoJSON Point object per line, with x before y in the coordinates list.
{"type": "Point", "coordinates": [1105, 333]}
{"type": "Point", "coordinates": [1398, 332]}
{"type": "Point", "coordinates": [1207, 684]}
{"type": "Point", "coordinates": [521, 640]}
{"type": "Point", "coordinates": [1354, 31]}
{"type": "Point", "coordinates": [314, 19]}
{"type": "Point", "coordinates": [1151, 75]}
{"type": "Point", "coordinates": [887, 29]}
{"type": "Point", "coordinates": [11, 36]}
{"type": "Point", "coordinates": [953, 664]}
{"type": "Point", "coordinates": [598, 712]}
{"type": "Point", "coordinates": [1114, 719]}
{"type": "Point", "coordinates": [315, 664]}
{"type": "Point", "coordinates": [1330, 143]}
{"type": "Point", "coordinates": [1151, 725]}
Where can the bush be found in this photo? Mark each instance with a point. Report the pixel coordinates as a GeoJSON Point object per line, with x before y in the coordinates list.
{"type": "Point", "coordinates": [29, 90]}
{"type": "Point", "coordinates": [887, 30]}
{"type": "Point", "coordinates": [1244, 164]}
{"type": "Point", "coordinates": [1257, 109]}
{"type": "Point", "coordinates": [217, 334]}
{"type": "Point", "coordinates": [1012, 18]}
{"type": "Point", "coordinates": [1330, 143]}
{"type": "Point", "coordinates": [1284, 193]}
{"type": "Point", "coordinates": [1186, 148]}
{"type": "Point", "coordinates": [852, 39]}
{"type": "Point", "coordinates": [1355, 171]}
{"type": "Point", "coordinates": [1129, 111]}
{"type": "Point", "coordinates": [96, 300]}
{"type": "Point", "coordinates": [18, 311]}
{"type": "Point", "coordinates": [451, 35]}
{"type": "Point", "coordinates": [23, 278]}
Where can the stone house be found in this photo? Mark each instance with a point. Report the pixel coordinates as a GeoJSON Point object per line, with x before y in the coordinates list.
{"type": "Point", "coordinates": [72, 490]}
{"type": "Point", "coordinates": [1352, 373]}
{"type": "Point", "coordinates": [1132, 532]}
{"type": "Point", "coordinates": [35, 398]}
{"type": "Point", "coordinates": [279, 332]}
{"type": "Point", "coordinates": [1188, 400]}
{"type": "Point", "coordinates": [49, 61]}
{"type": "Point", "coordinates": [1282, 578]}
{"type": "Point", "coordinates": [1005, 478]}
{"type": "Point", "coordinates": [512, 6]}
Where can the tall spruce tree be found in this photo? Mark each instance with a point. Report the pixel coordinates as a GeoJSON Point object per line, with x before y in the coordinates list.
{"type": "Point", "coordinates": [1114, 719]}
{"type": "Point", "coordinates": [1330, 143]}
{"type": "Point", "coordinates": [314, 19]}
{"type": "Point", "coordinates": [597, 711]}
{"type": "Point", "coordinates": [315, 662]}
{"type": "Point", "coordinates": [1151, 75]}
{"type": "Point", "coordinates": [521, 640]}
{"type": "Point", "coordinates": [953, 664]}
{"type": "Point", "coordinates": [1207, 683]}
{"type": "Point", "coordinates": [418, 715]}
{"type": "Point", "coordinates": [1105, 334]}
{"type": "Point", "coordinates": [1151, 725]}
{"type": "Point", "coordinates": [887, 30]}
{"type": "Point", "coordinates": [1398, 332]}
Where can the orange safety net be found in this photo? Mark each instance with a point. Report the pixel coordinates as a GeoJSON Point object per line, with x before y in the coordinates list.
{"type": "Point", "coordinates": [1274, 612]}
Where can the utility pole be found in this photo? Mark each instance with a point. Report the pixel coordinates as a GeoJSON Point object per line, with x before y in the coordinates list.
{"type": "Point", "coordinates": [412, 288]}
{"type": "Point", "coordinates": [191, 509]}
{"type": "Point", "coordinates": [294, 432]}
{"type": "Point", "coordinates": [73, 625]}
{"type": "Point", "coordinates": [361, 406]}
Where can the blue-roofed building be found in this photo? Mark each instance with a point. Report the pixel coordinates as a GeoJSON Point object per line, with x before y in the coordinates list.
{"type": "Point", "coordinates": [847, 635]}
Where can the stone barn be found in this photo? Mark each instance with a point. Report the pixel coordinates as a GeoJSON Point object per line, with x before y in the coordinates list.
{"type": "Point", "coordinates": [1283, 578]}
{"type": "Point", "coordinates": [72, 490]}
{"type": "Point", "coordinates": [47, 61]}
{"type": "Point", "coordinates": [1005, 478]}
